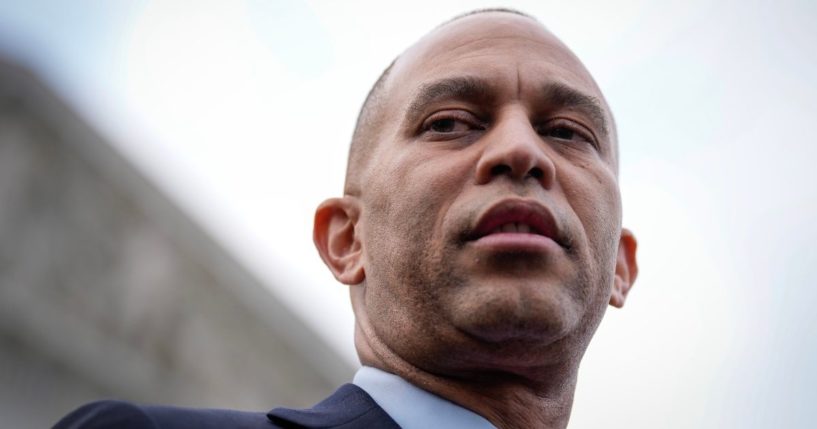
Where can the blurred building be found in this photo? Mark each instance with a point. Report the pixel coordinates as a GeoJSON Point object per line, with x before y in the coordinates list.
{"type": "Point", "coordinates": [108, 290]}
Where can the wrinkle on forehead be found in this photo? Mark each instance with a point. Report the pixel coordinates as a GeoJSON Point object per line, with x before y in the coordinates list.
{"type": "Point", "coordinates": [481, 35]}
{"type": "Point", "coordinates": [490, 27]}
{"type": "Point", "coordinates": [492, 41]}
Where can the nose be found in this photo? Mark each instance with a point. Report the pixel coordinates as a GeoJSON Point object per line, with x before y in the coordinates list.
{"type": "Point", "coordinates": [514, 150]}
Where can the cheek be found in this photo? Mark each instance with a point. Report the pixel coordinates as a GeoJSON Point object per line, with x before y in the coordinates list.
{"type": "Point", "coordinates": [399, 211]}
{"type": "Point", "coordinates": [402, 215]}
{"type": "Point", "coordinates": [404, 211]}
{"type": "Point", "coordinates": [412, 193]}
{"type": "Point", "coordinates": [594, 197]}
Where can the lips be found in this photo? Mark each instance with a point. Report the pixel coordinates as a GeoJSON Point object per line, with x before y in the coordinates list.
{"type": "Point", "coordinates": [516, 219]}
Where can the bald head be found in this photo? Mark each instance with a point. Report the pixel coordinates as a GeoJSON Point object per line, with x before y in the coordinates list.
{"type": "Point", "coordinates": [370, 118]}
{"type": "Point", "coordinates": [366, 131]}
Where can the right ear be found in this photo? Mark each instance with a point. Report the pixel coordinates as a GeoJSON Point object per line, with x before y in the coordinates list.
{"type": "Point", "coordinates": [334, 236]}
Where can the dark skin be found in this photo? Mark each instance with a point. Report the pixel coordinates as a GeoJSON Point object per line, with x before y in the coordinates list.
{"type": "Point", "coordinates": [482, 239]}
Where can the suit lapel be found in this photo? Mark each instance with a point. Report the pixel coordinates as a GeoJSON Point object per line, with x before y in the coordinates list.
{"type": "Point", "coordinates": [349, 407]}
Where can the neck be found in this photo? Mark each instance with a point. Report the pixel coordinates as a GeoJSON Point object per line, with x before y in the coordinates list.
{"type": "Point", "coordinates": [540, 397]}
{"type": "Point", "coordinates": [504, 401]}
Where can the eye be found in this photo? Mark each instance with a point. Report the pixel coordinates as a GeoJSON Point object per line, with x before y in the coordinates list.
{"type": "Point", "coordinates": [451, 124]}
{"type": "Point", "coordinates": [447, 125]}
{"type": "Point", "coordinates": [566, 130]}
{"type": "Point", "coordinates": [561, 133]}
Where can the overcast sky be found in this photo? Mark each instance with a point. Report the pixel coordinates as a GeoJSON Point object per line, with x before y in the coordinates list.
{"type": "Point", "coordinates": [242, 111]}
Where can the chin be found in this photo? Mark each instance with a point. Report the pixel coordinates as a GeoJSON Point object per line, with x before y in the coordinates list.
{"type": "Point", "coordinates": [516, 314]}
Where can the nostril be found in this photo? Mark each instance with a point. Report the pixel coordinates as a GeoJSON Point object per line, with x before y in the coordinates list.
{"type": "Point", "coordinates": [536, 173]}
{"type": "Point", "coordinates": [500, 169]}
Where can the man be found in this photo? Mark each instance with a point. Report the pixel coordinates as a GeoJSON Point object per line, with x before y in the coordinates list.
{"type": "Point", "coordinates": [479, 232]}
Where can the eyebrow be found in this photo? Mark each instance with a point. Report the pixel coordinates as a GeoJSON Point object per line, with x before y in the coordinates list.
{"type": "Point", "coordinates": [560, 95]}
{"type": "Point", "coordinates": [463, 88]}
{"type": "Point", "coordinates": [473, 89]}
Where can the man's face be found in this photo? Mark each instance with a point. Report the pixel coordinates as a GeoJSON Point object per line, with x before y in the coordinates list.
{"type": "Point", "coordinates": [490, 210]}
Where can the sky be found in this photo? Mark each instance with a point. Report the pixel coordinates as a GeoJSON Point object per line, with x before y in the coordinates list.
{"type": "Point", "coordinates": [241, 111]}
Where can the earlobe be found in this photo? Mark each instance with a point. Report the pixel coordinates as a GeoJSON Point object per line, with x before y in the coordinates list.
{"type": "Point", "coordinates": [336, 239]}
{"type": "Point", "coordinates": [626, 268]}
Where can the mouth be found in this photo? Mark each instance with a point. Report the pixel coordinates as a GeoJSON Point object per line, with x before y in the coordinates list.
{"type": "Point", "coordinates": [516, 225]}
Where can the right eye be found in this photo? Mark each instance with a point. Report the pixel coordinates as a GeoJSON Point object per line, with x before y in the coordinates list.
{"type": "Point", "coordinates": [452, 123]}
{"type": "Point", "coordinates": [447, 125]}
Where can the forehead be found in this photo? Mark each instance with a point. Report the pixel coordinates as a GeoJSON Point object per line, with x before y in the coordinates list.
{"type": "Point", "coordinates": [505, 48]}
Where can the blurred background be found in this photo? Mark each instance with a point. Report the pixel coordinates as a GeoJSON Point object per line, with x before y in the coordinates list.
{"type": "Point", "coordinates": [160, 162]}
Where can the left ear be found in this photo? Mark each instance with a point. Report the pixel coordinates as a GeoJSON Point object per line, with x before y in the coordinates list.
{"type": "Point", "coordinates": [626, 268]}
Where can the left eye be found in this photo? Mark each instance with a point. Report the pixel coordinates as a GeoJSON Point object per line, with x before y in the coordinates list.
{"type": "Point", "coordinates": [561, 133]}
{"type": "Point", "coordinates": [562, 130]}
{"type": "Point", "coordinates": [447, 125]}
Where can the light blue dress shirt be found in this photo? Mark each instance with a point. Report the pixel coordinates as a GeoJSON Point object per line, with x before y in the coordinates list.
{"type": "Point", "coordinates": [415, 408]}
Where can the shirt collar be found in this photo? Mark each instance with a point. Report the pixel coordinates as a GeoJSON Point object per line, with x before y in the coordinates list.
{"type": "Point", "coordinates": [412, 407]}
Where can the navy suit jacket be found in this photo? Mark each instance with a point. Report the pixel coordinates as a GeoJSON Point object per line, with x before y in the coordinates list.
{"type": "Point", "coordinates": [349, 407]}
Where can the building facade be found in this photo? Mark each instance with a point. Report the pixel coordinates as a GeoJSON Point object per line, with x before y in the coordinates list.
{"type": "Point", "coordinates": [107, 290]}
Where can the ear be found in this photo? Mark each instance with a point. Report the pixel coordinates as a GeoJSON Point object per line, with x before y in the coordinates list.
{"type": "Point", "coordinates": [334, 236]}
{"type": "Point", "coordinates": [626, 268]}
